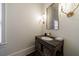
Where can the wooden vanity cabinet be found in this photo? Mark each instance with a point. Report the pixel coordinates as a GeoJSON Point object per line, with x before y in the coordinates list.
{"type": "Point", "coordinates": [48, 48]}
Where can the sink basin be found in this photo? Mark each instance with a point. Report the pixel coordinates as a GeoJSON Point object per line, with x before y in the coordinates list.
{"type": "Point", "coordinates": [46, 38]}
{"type": "Point", "coordinates": [59, 38]}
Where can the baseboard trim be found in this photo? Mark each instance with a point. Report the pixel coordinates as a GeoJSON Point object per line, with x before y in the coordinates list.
{"type": "Point", "coordinates": [23, 52]}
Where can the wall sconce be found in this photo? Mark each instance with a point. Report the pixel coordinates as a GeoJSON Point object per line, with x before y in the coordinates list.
{"type": "Point", "coordinates": [43, 18]}
{"type": "Point", "coordinates": [70, 13]}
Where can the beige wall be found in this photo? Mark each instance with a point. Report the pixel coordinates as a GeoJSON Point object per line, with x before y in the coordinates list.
{"type": "Point", "coordinates": [69, 30]}
{"type": "Point", "coordinates": [22, 24]}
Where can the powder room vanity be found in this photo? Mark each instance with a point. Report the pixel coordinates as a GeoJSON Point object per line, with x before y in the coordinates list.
{"type": "Point", "coordinates": [48, 46]}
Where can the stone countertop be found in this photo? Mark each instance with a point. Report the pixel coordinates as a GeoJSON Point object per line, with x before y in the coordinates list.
{"type": "Point", "coordinates": [51, 42]}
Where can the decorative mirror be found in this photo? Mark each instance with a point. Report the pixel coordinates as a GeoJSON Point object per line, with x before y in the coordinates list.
{"type": "Point", "coordinates": [52, 19]}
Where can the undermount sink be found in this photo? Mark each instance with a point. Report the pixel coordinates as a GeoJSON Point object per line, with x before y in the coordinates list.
{"type": "Point", "coordinates": [46, 38]}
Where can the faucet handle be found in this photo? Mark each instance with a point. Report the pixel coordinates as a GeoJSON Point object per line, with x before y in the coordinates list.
{"type": "Point", "coordinates": [49, 34]}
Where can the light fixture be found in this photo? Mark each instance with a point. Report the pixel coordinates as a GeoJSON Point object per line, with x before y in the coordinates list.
{"type": "Point", "coordinates": [42, 18]}
{"type": "Point", "coordinates": [70, 13]}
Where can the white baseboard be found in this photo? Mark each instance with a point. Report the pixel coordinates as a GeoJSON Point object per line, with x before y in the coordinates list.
{"type": "Point", "coordinates": [23, 52]}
